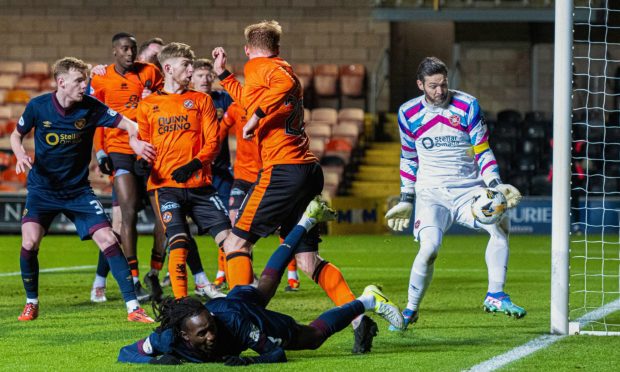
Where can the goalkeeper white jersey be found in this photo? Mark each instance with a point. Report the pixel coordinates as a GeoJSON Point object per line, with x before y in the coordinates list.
{"type": "Point", "coordinates": [444, 146]}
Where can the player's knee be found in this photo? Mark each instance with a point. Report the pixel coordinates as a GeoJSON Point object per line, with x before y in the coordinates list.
{"type": "Point", "coordinates": [430, 241]}
{"type": "Point", "coordinates": [30, 244]}
{"type": "Point", "coordinates": [307, 262]}
{"type": "Point", "coordinates": [105, 238]}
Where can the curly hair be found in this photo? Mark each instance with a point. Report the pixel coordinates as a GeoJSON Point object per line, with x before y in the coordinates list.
{"type": "Point", "coordinates": [173, 312]}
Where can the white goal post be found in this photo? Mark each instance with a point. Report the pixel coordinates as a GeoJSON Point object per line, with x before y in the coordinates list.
{"type": "Point", "coordinates": [585, 266]}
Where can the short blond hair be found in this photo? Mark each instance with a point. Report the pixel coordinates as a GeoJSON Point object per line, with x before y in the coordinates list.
{"type": "Point", "coordinates": [203, 63]}
{"type": "Point", "coordinates": [64, 65]}
{"type": "Point", "coordinates": [264, 35]}
{"type": "Point", "coordinates": [175, 50]}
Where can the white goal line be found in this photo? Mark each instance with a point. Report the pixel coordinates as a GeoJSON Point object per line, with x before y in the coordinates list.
{"type": "Point", "coordinates": [54, 270]}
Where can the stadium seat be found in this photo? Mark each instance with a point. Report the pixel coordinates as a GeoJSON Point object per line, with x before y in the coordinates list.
{"type": "Point", "coordinates": [8, 81]}
{"type": "Point", "coordinates": [325, 80]}
{"type": "Point", "coordinates": [307, 115]}
{"type": "Point", "coordinates": [5, 112]}
{"type": "Point", "coordinates": [352, 115]}
{"type": "Point", "coordinates": [325, 114]}
{"type": "Point", "coordinates": [352, 79]}
{"type": "Point", "coordinates": [304, 73]}
{"type": "Point", "coordinates": [317, 147]}
{"type": "Point", "coordinates": [535, 130]}
{"type": "Point", "coordinates": [17, 96]}
{"type": "Point", "coordinates": [348, 131]}
{"type": "Point", "coordinates": [526, 164]}
{"type": "Point", "coordinates": [510, 117]}
{"type": "Point", "coordinates": [502, 148]}
{"type": "Point", "coordinates": [28, 83]}
{"type": "Point", "coordinates": [319, 131]}
{"type": "Point", "coordinates": [528, 147]}
{"type": "Point", "coordinates": [11, 67]}
{"type": "Point", "coordinates": [540, 185]}
{"type": "Point", "coordinates": [339, 147]}
{"type": "Point", "coordinates": [37, 69]}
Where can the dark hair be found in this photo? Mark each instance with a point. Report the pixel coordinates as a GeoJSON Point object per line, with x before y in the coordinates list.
{"type": "Point", "coordinates": [172, 313]}
{"type": "Point", "coordinates": [122, 35]}
{"type": "Point", "coordinates": [203, 63]}
{"type": "Point", "coordinates": [146, 44]}
{"type": "Point", "coordinates": [431, 66]}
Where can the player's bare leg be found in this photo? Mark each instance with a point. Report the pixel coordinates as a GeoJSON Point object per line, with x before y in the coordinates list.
{"type": "Point", "coordinates": [126, 187]}
{"type": "Point", "coordinates": [32, 234]}
{"type": "Point", "coordinates": [97, 293]}
{"type": "Point", "coordinates": [158, 255]}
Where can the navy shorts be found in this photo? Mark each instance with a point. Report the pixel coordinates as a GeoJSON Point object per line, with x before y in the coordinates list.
{"type": "Point", "coordinates": [84, 210]}
{"type": "Point", "coordinates": [202, 204]}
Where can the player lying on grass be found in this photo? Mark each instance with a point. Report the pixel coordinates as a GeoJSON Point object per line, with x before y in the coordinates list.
{"type": "Point", "coordinates": [64, 124]}
{"type": "Point", "coordinates": [221, 329]}
{"type": "Point", "coordinates": [445, 160]}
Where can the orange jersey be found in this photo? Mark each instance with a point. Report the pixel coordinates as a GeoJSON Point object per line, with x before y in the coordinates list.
{"type": "Point", "coordinates": [122, 94]}
{"type": "Point", "coordinates": [181, 127]}
{"type": "Point", "coordinates": [273, 92]}
{"type": "Point", "coordinates": [247, 161]}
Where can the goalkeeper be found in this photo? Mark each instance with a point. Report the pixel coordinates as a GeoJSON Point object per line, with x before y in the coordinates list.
{"type": "Point", "coordinates": [221, 329]}
{"type": "Point", "coordinates": [445, 160]}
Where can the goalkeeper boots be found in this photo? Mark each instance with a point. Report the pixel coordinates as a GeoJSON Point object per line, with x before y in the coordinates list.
{"type": "Point", "coordinates": [384, 307]}
{"type": "Point", "coordinates": [141, 294]}
{"type": "Point", "coordinates": [31, 312]}
{"type": "Point", "coordinates": [500, 302]}
{"type": "Point", "coordinates": [409, 317]}
{"type": "Point", "coordinates": [320, 211]}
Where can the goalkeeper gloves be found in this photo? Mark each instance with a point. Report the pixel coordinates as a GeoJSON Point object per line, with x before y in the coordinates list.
{"type": "Point", "coordinates": [399, 215]}
{"type": "Point", "coordinates": [183, 173]}
{"type": "Point", "coordinates": [104, 162]}
{"type": "Point", "coordinates": [513, 196]}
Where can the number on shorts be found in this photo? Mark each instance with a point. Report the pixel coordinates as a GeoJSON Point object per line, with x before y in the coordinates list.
{"type": "Point", "coordinates": [98, 206]}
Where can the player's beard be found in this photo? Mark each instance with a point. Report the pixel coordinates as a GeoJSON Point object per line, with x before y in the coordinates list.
{"type": "Point", "coordinates": [439, 101]}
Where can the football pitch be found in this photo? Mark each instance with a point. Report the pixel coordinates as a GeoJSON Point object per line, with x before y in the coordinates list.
{"type": "Point", "coordinates": [453, 332]}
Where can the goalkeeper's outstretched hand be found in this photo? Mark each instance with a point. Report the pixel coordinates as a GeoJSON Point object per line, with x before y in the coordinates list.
{"type": "Point", "coordinates": [398, 216]}
{"type": "Point", "coordinates": [512, 195]}
{"type": "Point", "coordinates": [184, 172]}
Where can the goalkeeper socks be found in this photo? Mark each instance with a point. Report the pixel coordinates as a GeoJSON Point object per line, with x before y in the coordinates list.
{"type": "Point", "coordinates": [29, 265]}
{"type": "Point", "coordinates": [133, 266]}
{"type": "Point", "coordinates": [284, 253]}
{"type": "Point", "coordinates": [423, 265]}
{"type": "Point", "coordinates": [193, 257]}
{"type": "Point", "coordinates": [496, 257]}
{"type": "Point", "coordinates": [328, 277]}
{"type": "Point", "coordinates": [239, 269]}
{"type": "Point", "coordinates": [102, 265]}
{"type": "Point", "coordinates": [338, 318]}
{"type": "Point", "coordinates": [177, 266]}
{"type": "Point", "coordinates": [120, 271]}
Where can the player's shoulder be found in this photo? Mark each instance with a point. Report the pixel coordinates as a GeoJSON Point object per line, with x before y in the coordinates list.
{"type": "Point", "coordinates": [462, 97]}
{"type": "Point", "coordinates": [417, 101]}
{"type": "Point", "coordinates": [42, 99]}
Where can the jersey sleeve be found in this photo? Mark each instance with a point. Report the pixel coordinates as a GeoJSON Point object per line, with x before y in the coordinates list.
{"type": "Point", "coordinates": [408, 156]}
{"type": "Point", "coordinates": [479, 137]}
{"type": "Point", "coordinates": [106, 117]}
{"type": "Point", "coordinates": [148, 348]}
{"type": "Point", "coordinates": [280, 84]}
{"type": "Point", "coordinates": [232, 85]}
{"type": "Point", "coordinates": [210, 133]}
{"type": "Point", "coordinates": [144, 126]}
{"type": "Point", "coordinates": [27, 120]}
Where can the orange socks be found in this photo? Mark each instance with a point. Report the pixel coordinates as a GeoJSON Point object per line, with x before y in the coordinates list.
{"type": "Point", "coordinates": [177, 266]}
{"type": "Point", "coordinates": [239, 269]}
{"type": "Point", "coordinates": [221, 260]}
{"type": "Point", "coordinates": [329, 277]}
{"type": "Point", "coordinates": [292, 266]}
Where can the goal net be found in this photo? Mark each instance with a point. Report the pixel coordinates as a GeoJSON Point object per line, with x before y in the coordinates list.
{"type": "Point", "coordinates": [594, 298]}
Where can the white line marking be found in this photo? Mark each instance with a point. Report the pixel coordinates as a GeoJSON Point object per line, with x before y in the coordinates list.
{"type": "Point", "coordinates": [54, 270]}
{"type": "Point", "coordinates": [541, 342]}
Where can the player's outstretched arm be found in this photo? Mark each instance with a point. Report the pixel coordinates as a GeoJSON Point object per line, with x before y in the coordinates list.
{"type": "Point", "coordinates": [141, 148]}
{"type": "Point", "coordinates": [23, 159]}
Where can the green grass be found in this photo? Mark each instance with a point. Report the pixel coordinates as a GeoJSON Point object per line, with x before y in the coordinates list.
{"type": "Point", "coordinates": [453, 333]}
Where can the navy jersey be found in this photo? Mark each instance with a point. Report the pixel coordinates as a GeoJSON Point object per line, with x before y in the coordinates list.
{"type": "Point", "coordinates": [221, 164]}
{"type": "Point", "coordinates": [242, 323]}
{"type": "Point", "coordinates": [63, 140]}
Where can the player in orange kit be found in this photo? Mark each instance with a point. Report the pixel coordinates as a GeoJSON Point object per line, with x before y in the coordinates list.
{"type": "Point", "coordinates": [291, 174]}
{"type": "Point", "coordinates": [122, 86]}
{"type": "Point", "coordinates": [182, 126]}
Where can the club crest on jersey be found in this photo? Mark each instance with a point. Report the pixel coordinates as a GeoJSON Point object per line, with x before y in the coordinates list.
{"type": "Point", "coordinates": [455, 120]}
{"type": "Point", "coordinates": [79, 123]}
{"type": "Point", "coordinates": [21, 121]}
{"type": "Point", "coordinates": [188, 104]}
{"type": "Point", "coordinates": [166, 217]}
{"type": "Point", "coordinates": [47, 124]}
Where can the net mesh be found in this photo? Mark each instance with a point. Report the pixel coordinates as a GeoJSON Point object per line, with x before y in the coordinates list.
{"type": "Point", "coordinates": [595, 186]}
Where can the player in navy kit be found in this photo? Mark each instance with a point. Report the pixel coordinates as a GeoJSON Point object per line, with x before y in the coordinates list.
{"type": "Point", "coordinates": [224, 327]}
{"type": "Point", "coordinates": [64, 124]}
